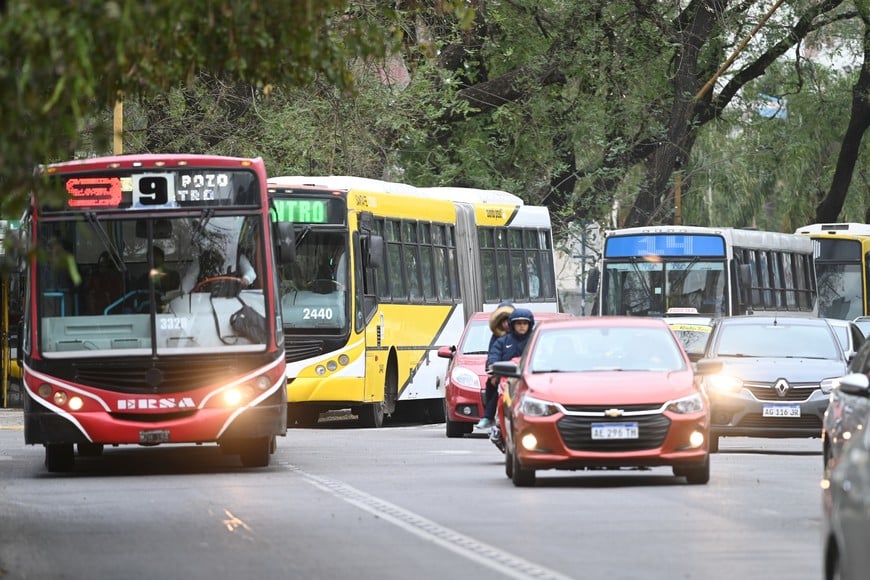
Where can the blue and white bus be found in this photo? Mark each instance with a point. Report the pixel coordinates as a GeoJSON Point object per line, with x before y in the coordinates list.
{"type": "Point", "coordinates": [665, 270]}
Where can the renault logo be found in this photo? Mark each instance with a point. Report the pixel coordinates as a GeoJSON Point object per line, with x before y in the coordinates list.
{"type": "Point", "coordinates": [782, 387]}
{"type": "Point", "coordinates": [614, 412]}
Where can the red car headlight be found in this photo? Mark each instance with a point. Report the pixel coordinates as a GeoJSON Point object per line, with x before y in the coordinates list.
{"type": "Point", "coordinates": [691, 404]}
{"type": "Point", "coordinates": [465, 377]}
{"type": "Point", "coordinates": [538, 408]}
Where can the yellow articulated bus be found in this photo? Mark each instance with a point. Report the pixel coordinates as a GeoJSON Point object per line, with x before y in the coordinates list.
{"type": "Point", "coordinates": [10, 316]}
{"type": "Point", "coordinates": [385, 273]}
{"type": "Point", "coordinates": [841, 259]}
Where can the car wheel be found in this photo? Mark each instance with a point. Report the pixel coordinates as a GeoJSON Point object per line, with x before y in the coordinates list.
{"type": "Point", "coordinates": [521, 476]}
{"type": "Point", "coordinates": [714, 444]}
{"type": "Point", "coordinates": [508, 463]}
{"type": "Point", "coordinates": [456, 428]}
{"type": "Point", "coordinates": [698, 475]}
{"type": "Point", "coordinates": [59, 457]}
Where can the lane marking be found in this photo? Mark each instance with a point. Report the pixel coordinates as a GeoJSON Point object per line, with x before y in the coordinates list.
{"type": "Point", "coordinates": [502, 562]}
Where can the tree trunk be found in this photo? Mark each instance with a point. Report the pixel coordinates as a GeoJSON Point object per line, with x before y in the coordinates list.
{"type": "Point", "coordinates": [830, 207]}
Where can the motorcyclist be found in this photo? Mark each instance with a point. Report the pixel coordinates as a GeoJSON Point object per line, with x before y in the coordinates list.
{"type": "Point", "coordinates": [509, 346]}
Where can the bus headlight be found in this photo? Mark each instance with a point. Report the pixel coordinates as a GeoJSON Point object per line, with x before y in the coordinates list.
{"type": "Point", "coordinates": [320, 370]}
{"type": "Point", "coordinates": [236, 396]}
{"type": "Point", "coordinates": [60, 398]}
{"type": "Point", "coordinates": [343, 360]}
{"type": "Point", "coordinates": [44, 390]}
{"type": "Point", "coordinates": [331, 366]}
{"type": "Point", "coordinates": [76, 403]}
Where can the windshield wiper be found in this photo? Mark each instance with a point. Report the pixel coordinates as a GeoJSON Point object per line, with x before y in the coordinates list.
{"type": "Point", "coordinates": [95, 224]}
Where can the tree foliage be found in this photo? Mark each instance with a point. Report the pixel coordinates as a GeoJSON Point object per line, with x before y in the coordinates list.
{"type": "Point", "coordinates": [63, 65]}
{"type": "Point", "coordinates": [582, 106]}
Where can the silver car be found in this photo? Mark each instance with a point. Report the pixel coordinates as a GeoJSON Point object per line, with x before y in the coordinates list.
{"type": "Point", "coordinates": [768, 376]}
{"type": "Point", "coordinates": [847, 409]}
{"type": "Point", "coordinates": [846, 503]}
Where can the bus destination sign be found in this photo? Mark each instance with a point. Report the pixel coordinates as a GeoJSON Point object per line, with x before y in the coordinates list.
{"type": "Point", "coordinates": [156, 190]}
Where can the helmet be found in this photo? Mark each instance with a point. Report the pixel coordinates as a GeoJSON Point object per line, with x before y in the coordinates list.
{"type": "Point", "coordinates": [522, 314]}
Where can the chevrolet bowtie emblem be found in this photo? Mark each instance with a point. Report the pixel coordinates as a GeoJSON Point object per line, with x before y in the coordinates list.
{"type": "Point", "coordinates": [614, 412]}
{"type": "Point", "coordinates": [781, 387]}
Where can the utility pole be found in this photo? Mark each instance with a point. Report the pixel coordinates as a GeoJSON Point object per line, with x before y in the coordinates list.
{"type": "Point", "coordinates": [118, 128]}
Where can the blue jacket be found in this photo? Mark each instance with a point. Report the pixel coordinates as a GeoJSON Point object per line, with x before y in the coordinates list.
{"type": "Point", "coordinates": [511, 345]}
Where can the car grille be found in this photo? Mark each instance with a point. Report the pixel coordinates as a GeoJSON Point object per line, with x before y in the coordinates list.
{"type": "Point", "coordinates": [603, 408]}
{"type": "Point", "coordinates": [756, 421]}
{"type": "Point", "coordinates": [797, 391]}
{"type": "Point", "coordinates": [576, 432]}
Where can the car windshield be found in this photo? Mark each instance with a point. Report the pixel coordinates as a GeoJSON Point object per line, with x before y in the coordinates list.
{"type": "Point", "coordinates": [778, 340]}
{"type": "Point", "coordinates": [476, 339]}
{"type": "Point", "coordinates": [605, 348]}
{"type": "Point", "coordinates": [842, 332]}
{"type": "Point", "coordinates": [692, 336]}
{"type": "Point", "coordinates": [864, 325]}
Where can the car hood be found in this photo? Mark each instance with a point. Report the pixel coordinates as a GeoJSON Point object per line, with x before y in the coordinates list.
{"type": "Point", "coordinates": [795, 370]}
{"type": "Point", "coordinates": [611, 388]}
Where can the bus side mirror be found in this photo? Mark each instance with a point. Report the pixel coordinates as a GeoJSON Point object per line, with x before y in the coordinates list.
{"type": "Point", "coordinates": [592, 280]}
{"type": "Point", "coordinates": [374, 251]}
{"type": "Point", "coordinates": [285, 241]}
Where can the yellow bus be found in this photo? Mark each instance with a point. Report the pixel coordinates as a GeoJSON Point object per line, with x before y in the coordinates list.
{"type": "Point", "coordinates": [383, 274]}
{"type": "Point", "coordinates": [841, 258]}
{"type": "Point", "coordinates": [10, 317]}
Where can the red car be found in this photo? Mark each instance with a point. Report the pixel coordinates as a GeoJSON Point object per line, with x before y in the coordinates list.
{"type": "Point", "coordinates": [604, 392]}
{"type": "Point", "coordinates": [466, 374]}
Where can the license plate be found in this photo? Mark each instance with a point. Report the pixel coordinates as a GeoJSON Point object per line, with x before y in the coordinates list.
{"type": "Point", "coordinates": [615, 431]}
{"type": "Point", "coordinates": [153, 436]}
{"type": "Point", "coordinates": [781, 411]}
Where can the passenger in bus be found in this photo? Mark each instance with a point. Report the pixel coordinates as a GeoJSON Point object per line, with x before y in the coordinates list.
{"type": "Point", "coordinates": [104, 285]}
{"type": "Point", "coordinates": [62, 279]}
{"type": "Point", "coordinates": [508, 347]}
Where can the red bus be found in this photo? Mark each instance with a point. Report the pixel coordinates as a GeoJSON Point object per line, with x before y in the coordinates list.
{"type": "Point", "coordinates": [150, 314]}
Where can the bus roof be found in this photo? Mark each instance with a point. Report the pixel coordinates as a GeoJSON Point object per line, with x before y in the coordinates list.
{"type": "Point", "coordinates": [347, 182]}
{"type": "Point", "coordinates": [149, 160]}
{"type": "Point", "coordinates": [845, 229]}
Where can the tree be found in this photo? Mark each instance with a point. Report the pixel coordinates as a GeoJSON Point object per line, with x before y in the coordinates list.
{"type": "Point", "coordinates": [64, 64]}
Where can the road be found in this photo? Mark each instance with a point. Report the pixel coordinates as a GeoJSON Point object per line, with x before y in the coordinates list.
{"type": "Point", "coordinates": [402, 502]}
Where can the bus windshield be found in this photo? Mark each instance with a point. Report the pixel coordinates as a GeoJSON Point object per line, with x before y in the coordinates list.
{"type": "Point", "coordinates": [148, 285]}
{"type": "Point", "coordinates": [314, 287]}
{"type": "Point", "coordinates": [653, 288]}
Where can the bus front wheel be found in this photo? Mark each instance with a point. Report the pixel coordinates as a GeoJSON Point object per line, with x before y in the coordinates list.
{"type": "Point", "coordinates": [59, 457]}
{"type": "Point", "coordinates": [257, 452]}
{"type": "Point", "coordinates": [372, 415]}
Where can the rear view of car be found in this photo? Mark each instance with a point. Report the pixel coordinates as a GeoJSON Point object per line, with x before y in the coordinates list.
{"type": "Point", "coordinates": [607, 392]}
{"type": "Point", "coordinates": [770, 377]}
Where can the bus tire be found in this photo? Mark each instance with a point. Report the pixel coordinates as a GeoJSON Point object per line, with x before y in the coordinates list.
{"type": "Point", "coordinates": [59, 457]}
{"type": "Point", "coordinates": [89, 449]}
{"type": "Point", "coordinates": [372, 415]}
{"type": "Point", "coordinates": [256, 452]}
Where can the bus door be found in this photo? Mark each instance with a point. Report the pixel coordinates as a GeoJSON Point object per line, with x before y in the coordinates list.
{"type": "Point", "coordinates": [468, 260]}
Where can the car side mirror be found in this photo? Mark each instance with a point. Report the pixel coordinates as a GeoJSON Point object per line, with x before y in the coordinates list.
{"type": "Point", "coordinates": [855, 384]}
{"type": "Point", "coordinates": [505, 369]}
{"type": "Point", "coordinates": [446, 351]}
